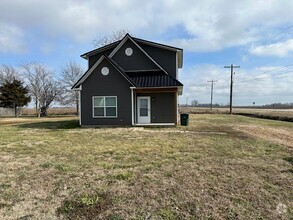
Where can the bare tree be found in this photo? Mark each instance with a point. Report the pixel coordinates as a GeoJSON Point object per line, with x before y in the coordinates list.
{"type": "Point", "coordinates": [8, 74]}
{"type": "Point", "coordinates": [194, 103]}
{"type": "Point", "coordinates": [42, 85]}
{"type": "Point", "coordinates": [110, 38]}
{"type": "Point", "coordinates": [70, 73]}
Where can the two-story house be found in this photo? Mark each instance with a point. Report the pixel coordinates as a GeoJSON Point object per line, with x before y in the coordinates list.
{"type": "Point", "coordinates": [130, 82]}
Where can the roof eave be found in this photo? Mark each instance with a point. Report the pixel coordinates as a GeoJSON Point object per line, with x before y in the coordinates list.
{"type": "Point", "coordinates": [100, 49]}
{"type": "Point", "coordinates": [163, 46]}
{"type": "Point", "coordinates": [76, 88]}
{"type": "Point", "coordinates": [159, 87]}
{"type": "Point", "coordinates": [180, 58]}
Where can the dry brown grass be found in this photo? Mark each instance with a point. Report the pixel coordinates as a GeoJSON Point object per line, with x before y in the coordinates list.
{"type": "Point", "coordinates": [276, 114]}
{"type": "Point", "coordinates": [212, 169]}
{"type": "Point", "coordinates": [51, 111]}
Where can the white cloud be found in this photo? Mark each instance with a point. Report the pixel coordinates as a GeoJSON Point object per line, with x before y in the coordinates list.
{"type": "Point", "coordinates": [211, 25]}
{"type": "Point", "coordinates": [280, 49]}
{"type": "Point", "coordinates": [11, 39]}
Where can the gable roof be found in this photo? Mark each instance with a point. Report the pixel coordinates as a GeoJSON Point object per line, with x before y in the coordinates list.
{"type": "Point", "coordinates": [89, 71]}
{"type": "Point", "coordinates": [143, 79]}
{"type": "Point", "coordinates": [151, 43]}
{"type": "Point", "coordinates": [148, 78]}
{"type": "Point", "coordinates": [128, 37]}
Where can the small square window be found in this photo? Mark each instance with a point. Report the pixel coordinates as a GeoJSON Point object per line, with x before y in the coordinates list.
{"type": "Point", "coordinates": [104, 106]}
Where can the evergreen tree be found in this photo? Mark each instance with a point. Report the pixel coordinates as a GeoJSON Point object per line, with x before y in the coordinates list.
{"type": "Point", "coordinates": [13, 94]}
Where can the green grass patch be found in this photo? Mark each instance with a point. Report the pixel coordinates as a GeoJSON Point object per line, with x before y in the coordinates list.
{"type": "Point", "coordinates": [85, 206]}
{"type": "Point", "coordinates": [122, 176]}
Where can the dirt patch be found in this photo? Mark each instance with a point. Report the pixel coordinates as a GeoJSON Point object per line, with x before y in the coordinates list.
{"type": "Point", "coordinates": [280, 136]}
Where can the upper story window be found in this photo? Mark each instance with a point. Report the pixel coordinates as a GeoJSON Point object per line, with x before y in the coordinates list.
{"type": "Point", "coordinates": [105, 71]}
{"type": "Point", "coordinates": [104, 106]}
{"type": "Point", "coordinates": [128, 51]}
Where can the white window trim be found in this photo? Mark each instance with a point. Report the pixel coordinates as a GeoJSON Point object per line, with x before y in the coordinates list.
{"type": "Point", "coordinates": [104, 106]}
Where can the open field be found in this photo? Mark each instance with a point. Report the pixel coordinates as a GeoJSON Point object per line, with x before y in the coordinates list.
{"type": "Point", "coordinates": [51, 111]}
{"type": "Point", "coordinates": [279, 114]}
{"type": "Point", "coordinates": [282, 113]}
{"type": "Point", "coordinates": [219, 167]}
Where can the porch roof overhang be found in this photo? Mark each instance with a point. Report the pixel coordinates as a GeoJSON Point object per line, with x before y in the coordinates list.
{"type": "Point", "coordinates": [158, 89]}
{"type": "Point", "coordinates": [152, 79]}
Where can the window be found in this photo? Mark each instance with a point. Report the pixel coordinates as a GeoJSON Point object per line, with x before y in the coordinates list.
{"type": "Point", "coordinates": [128, 51]}
{"type": "Point", "coordinates": [104, 106]}
{"type": "Point", "coordinates": [105, 71]}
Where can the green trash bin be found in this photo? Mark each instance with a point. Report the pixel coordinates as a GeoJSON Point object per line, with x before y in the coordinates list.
{"type": "Point", "coordinates": [184, 119]}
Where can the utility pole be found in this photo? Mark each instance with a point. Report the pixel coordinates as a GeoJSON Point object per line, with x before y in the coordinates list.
{"type": "Point", "coordinates": [212, 89]}
{"type": "Point", "coordinates": [186, 101]}
{"type": "Point", "coordinates": [231, 84]}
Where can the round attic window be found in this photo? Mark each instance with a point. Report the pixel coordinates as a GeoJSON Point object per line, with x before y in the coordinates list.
{"type": "Point", "coordinates": [105, 71]}
{"type": "Point", "coordinates": [128, 51]}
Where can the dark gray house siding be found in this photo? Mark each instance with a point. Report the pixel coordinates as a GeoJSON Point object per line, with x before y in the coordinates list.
{"type": "Point", "coordinates": [165, 58]}
{"type": "Point", "coordinates": [148, 69]}
{"type": "Point", "coordinates": [137, 61]}
{"type": "Point", "coordinates": [114, 84]}
{"type": "Point", "coordinates": [93, 59]}
{"type": "Point", "coordinates": [162, 107]}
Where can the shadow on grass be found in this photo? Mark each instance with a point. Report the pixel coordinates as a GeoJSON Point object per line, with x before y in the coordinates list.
{"type": "Point", "coordinates": [289, 159]}
{"type": "Point", "coordinates": [66, 124]}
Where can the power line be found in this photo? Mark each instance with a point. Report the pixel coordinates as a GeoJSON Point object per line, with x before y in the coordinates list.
{"type": "Point", "coordinates": [225, 81]}
{"type": "Point", "coordinates": [212, 88]}
{"type": "Point", "coordinates": [268, 71]}
{"type": "Point", "coordinates": [278, 46]}
{"type": "Point", "coordinates": [262, 76]}
{"type": "Point", "coordinates": [231, 84]}
{"type": "Point", "coordinates": [271, 40]}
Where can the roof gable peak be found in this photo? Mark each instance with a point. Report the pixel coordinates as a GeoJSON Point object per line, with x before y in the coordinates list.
{"type": "Point", "coordinates": [89, 71]}
{"type": "Point", "coordinates": [124, 40]}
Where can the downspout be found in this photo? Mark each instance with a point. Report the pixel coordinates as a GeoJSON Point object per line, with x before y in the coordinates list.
{"type": "Point", "coordinates": [79, 104]}
{"type": "Point", "coordinates": [177, 109]}
{"type": "Point", "coordinates": [132, 110]}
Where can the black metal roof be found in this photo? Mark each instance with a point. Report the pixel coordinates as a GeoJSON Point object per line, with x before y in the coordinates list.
{"type": "Point", "coordinates": [152, 79]}
{"type": "Point", "coordinates": [100, 49]}
{"type": "Point", "coordinates": [114, 44]}
{"type": "Point", "coordinates": [155, 44]}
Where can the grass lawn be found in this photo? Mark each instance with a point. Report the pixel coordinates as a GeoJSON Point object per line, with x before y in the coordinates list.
{"type": "Point", "coordinates": [219, 167]}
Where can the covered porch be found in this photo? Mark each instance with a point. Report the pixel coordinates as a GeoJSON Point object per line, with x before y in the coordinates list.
{"type": "Point", "coordinates": [154, 106]}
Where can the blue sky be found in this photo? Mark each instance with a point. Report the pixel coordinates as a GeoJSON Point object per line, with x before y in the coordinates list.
{"type": "Point", "coordinates": [257, 35]}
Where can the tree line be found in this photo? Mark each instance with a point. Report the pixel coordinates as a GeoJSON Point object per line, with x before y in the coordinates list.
{"type": "Point", "coordinates": [36, 82]}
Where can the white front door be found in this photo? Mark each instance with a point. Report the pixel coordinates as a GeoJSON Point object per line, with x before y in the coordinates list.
{"type": "Point", "coordinates": [143, 110]}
